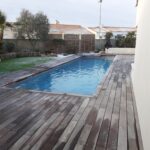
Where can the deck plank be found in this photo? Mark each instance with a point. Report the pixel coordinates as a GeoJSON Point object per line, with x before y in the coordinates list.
{"type": "Point", "coordinates": [103, 135]}
{"type": "Point", "coordinates": [114, 128]}
{"type": "Point", "coordinates": [131, 119]}
{"type": "Point", "coordinates": [91, 142]}
{"type": "Point", "coordinates": [122, 134]}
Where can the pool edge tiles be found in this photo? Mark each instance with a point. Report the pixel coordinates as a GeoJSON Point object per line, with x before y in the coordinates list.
{"type": "Point", "coordinates": [80, 77]}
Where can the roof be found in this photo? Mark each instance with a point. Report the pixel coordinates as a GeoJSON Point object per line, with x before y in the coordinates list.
{"type": "Point", "coordinates": [114, 29]}
{"type": "Point", "coordinates": [68, 29]}
{"type": "Point", "coordinates": [120, 29]}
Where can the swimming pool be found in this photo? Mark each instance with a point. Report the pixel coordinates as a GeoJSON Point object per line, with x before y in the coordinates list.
{"type": "Point", "coordinates": [81, 76]}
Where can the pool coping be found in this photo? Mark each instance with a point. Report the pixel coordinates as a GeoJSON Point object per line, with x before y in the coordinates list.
{"type": "Point", "coordinates": [99, 87]}
{"type": "Point", "coordinates": [46, 66]}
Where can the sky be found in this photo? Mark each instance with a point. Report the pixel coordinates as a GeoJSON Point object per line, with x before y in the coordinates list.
{"type": "Point", "coordinates": [83, 12]}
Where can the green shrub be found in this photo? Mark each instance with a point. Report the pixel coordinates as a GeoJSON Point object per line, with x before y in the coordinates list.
{"type": "Point", "coordinates": [130, 40]}
{"type": "Point", "coordinates": [9, 47]}
{"type": "Point", "coordinates": [120, 41]}
{"type": "Point", "coordinates": [126, 41]}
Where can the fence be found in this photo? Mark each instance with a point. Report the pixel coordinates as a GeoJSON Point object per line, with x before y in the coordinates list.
{"type": "Point", "coordinates": [57, 44]}
{"type": "Point", "coordinates": [18, 54]}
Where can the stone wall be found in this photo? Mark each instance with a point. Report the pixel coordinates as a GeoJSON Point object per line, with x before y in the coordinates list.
{"type": "Point", "coordinates": [120, 51]}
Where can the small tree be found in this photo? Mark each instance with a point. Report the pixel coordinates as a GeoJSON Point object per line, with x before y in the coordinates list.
{"type": "Point", "coordinates": [42, 26]}
{"type": "Point", "coordinates": [32, 27]}
{"type": "Point", "coordinates": [130, 39]}
{"type": "Point", "coordinates": [126, 41]}
{"type": "Point", "coordinates": [108, 36]}
{"type": "Point", "coordinates": [2, 24]}
{"type": "Point", "coordinates": [120, 40]}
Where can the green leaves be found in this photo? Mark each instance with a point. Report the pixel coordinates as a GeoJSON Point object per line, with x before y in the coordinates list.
{"type": "Point", "coordinates": [126, 41]}
{"type": "Point", "coordinates": [2, 18]}
{"type": "Point", "coordinates": [32, 27]}
{"type": "Point", "coordinates": [108, 35]}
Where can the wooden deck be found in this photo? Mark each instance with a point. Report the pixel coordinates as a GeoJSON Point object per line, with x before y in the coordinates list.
{"type": "Point", "coordinates": [30, 120]}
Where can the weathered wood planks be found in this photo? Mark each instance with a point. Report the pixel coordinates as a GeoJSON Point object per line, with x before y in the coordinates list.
{"type": "Point", "coordinates": [43, 121]}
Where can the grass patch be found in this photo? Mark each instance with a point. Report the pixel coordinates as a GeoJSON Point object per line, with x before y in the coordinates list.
{"type": "Point", "coordinates": [21, 63]}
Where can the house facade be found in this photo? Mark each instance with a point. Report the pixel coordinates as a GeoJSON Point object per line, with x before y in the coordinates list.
{"type": "Point", "coordinates": [141, 70]}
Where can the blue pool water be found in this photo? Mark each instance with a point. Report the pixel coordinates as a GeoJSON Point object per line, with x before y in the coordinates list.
{"type": "Point", "coordinates": [80, 76]}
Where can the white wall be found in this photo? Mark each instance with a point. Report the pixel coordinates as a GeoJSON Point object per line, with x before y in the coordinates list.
{"type": "Point", "coordinates": [120, 51]}
{"type": "Point", "coordinates": [141, 71]}
{"type": "Point", "coordinates": [138, 16]}
{"type": "Point", "coordinates": [9, 33]}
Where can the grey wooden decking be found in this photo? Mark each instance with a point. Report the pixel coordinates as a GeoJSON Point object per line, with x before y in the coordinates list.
{"type": "Point", "coordinates": [30, 120]}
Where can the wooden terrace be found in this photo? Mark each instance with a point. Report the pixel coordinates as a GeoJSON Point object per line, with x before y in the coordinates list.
{"type": "Point", "coordinates": [43, 121]}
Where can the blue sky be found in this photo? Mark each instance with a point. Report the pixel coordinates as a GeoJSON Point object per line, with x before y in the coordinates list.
{"type": "Point", "coordinates": [84, 12]}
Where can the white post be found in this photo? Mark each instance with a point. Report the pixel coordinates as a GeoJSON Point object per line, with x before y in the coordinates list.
{"type": "Point", "coordinates": [63, 36]}
{"type": "Point", "coordinates": [100, 21]}
{"type": "Point", "coordinates": [80, 38]}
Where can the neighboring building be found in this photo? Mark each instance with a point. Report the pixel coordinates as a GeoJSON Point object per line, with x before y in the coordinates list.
{"type": "Point", "coordinates": [141, 70]}
{"type": "Point", "coordinates": [55, 29]}
{"type": "Point", "coordinates": [97, 32]}
{"type": "Point", "coordinates": [115, 30]}
{"type": "Point", "coordinates": [59, 30]}
{"type": "Point", "coordinates": [66, 29]}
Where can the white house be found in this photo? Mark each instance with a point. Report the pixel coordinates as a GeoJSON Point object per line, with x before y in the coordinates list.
{"type": "Point", "coordinates": [58, 28]}
{"type": "Point", "coordinates": [115, 30]}
{"type": "Point", "coordinates": [141, 70]}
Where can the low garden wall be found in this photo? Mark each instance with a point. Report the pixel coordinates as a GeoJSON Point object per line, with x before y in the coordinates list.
{"type": "Point", "coordinates": [120, 51]}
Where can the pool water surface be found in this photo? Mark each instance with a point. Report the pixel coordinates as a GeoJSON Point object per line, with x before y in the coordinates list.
{"type": "Point", "coordinates": [81, 76]}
